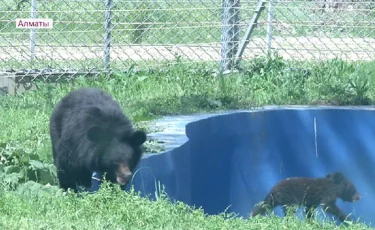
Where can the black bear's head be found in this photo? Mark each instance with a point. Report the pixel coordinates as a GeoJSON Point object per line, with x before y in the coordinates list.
{"type": "Point", "coordinates": [345, 189]}
{"type": "Point", "coordinates": [117, 153]}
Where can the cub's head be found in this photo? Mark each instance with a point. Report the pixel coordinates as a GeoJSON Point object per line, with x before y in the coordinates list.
{"type": "Point", "coordinates": [345, 189]}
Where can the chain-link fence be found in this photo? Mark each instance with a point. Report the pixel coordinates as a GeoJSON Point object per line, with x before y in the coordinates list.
{"type": "Point", "coordinates": [97, 36]}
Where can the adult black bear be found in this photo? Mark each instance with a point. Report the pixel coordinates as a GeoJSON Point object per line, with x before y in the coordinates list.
{"type": "Point", "coordinates": [89, 132]}
{"type": "Point", "coordinates": [310, 192]}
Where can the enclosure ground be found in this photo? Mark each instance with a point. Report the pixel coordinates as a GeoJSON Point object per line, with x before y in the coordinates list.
{"type": "Point", "coordinates": [295, 48]}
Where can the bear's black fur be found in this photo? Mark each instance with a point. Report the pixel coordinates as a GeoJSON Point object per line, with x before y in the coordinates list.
{"type": "Point", "coordinates": [89, 132]}
{"type": "Point", "coordinates": [311, 193]}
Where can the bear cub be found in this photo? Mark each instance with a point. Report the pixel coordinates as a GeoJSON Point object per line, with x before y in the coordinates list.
{"type": "Point", "coordinates": [311, 193]}
{"type": "Point", "coordinates": [90, 133]}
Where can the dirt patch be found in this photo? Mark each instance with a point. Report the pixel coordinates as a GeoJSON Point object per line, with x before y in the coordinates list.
{"type": "Point", "coordinates": [302, 48]}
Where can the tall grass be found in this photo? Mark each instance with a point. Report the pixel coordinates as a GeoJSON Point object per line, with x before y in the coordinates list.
{"type": "Point", "coordinates": [32, 207]}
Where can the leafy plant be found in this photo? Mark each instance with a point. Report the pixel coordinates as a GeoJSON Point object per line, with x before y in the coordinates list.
{"type": "Point", "coordinates": [18, 166]}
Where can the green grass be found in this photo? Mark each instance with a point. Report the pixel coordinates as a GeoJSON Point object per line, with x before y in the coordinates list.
{"type": "Point", "coordinates": [32, 207]}
{"type": "Point", "coordinates": [25, 151]}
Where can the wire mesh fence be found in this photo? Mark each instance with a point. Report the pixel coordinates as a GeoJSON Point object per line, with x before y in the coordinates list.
{"type": "Point", "coordinates": [317, 30]}
{"type": "Point", "coordinates": [99, 36]}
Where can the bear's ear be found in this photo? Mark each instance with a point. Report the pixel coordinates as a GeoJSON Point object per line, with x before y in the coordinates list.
{"type": "Point", "coordinates": [137, 138]}
{"type": "Point", "coordinates": [95, 134]}
{"type": "Point", "coordinates": [338, 177]}
{"type": "Point", "coordinates": [94, 111]}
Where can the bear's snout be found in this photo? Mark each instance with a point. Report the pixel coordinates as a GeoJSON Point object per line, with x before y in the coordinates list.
{"type": "Point", "coordinates": [123, 174]}
{"type": "Point", "coordinates": [122, 180]}
{"type": "Point", "coordinates": [356, 197]}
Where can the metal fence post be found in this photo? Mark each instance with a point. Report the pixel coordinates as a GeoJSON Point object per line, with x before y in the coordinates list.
{"type": "Point", "coordinates": [269, 28]}
{"type": "Point", "coordinates": [107, 34]}
{"type": "Point", "coordinates": [230, 33]}
{"type": "Point", "coordinates": [33, 15]}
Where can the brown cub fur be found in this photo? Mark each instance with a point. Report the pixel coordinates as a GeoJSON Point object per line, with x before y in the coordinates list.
{"type": "Point", "coordinates": [311, 193]}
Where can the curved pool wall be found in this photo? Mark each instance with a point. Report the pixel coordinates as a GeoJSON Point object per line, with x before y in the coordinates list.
{"type": "Point", "coordinates": [233, 160]}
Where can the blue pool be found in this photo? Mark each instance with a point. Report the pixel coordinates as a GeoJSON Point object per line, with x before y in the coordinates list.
{"type": "Point", "coordinates": [233, 159]}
